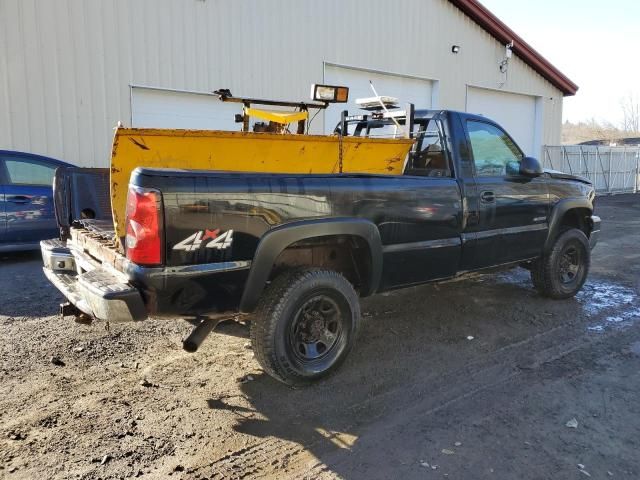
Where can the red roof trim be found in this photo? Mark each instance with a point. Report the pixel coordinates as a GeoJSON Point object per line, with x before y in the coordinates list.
{"type": "Point", "coordinates": [492, 24]}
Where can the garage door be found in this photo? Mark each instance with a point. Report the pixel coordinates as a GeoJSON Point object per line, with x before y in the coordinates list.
{"type": "Point", "coordinates": [516, 113]}
{"type": "Point", "coordinates": [152, 108]}
{"type": "Point", "coordinates": [406, 89]}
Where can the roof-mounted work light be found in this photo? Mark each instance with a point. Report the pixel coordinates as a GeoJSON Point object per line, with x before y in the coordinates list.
{"type": "Point", "coordinates": [329, 93]}
{"type": "Point", "coordinates": [377, 102]}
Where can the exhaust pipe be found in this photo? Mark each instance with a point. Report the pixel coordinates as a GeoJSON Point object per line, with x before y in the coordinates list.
{"type": "Point", "coordinates": [197, 336]}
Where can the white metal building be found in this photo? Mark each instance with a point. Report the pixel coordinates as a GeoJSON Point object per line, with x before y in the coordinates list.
{"type": "Point", "coordinates": [71, 69]}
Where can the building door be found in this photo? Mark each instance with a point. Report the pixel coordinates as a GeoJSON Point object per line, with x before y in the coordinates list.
{"type": "Point", "coordinates": [518, 114]}
{"type": "Point", "coordinates": [156, 108]}
{"type": "Point", "coordinates": [406, 89]}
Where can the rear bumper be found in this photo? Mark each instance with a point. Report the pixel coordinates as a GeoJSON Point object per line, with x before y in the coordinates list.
{"type": "Point", "coordinates": [100, 293]}
{"type": "Point", "coordinates": [595, 231]}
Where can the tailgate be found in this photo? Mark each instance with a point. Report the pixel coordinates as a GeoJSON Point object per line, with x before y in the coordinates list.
{"type": "Point", "coordinates": [86, 264]}
{"type": "Point", "coordinates": [81, 194]}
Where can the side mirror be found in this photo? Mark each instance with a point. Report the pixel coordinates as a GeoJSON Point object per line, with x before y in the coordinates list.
{"type": "Point", "coordinates": [530, 167]}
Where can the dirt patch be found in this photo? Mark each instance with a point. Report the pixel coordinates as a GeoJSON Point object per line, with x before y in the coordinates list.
{"type": "Point", "coordinates": [473, 379]}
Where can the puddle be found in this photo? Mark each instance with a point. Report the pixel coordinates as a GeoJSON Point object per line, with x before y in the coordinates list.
{"type": "Point", "coordinates": [596, 328]}
{"type": "Point", "coordinates": [618, 304]}
{"type": "Point", "coordinates": [629, 316]}
{"type": "Point", "coordinates": [611, 304]}
{"type": "Point", "coordinates": [518, 276]}
{"type": "Point", "coordinates": [597, 298]}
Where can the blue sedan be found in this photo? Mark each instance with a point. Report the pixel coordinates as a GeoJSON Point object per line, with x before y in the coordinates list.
{"type": "Point", "coordinates": [26, 200]}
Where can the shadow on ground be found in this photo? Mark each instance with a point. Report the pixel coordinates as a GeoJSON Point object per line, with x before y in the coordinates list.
{"type": "Point", "coordinates": [25, 293]}
{"type": "Point", "coordinates": [431, 356]}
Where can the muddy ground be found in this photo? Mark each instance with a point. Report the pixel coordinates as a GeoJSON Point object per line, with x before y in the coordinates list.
{"type": "Point", "coordinates": [416, 399]}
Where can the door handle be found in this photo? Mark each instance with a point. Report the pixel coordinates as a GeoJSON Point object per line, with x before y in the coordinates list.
{"type": "Point", "coordinates": [487, 197]}
{"type": "Point", "coordinates": [18, 199]}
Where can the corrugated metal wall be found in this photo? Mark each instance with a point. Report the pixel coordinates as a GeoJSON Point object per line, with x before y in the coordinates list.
{"type": "Point", "coordinates": [66, 65]}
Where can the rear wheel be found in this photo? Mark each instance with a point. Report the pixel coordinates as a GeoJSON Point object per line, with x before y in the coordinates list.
{"type": "Point", "coordinates": [561, 273]}
{"type": "Point", "coordinates": [305, 325]}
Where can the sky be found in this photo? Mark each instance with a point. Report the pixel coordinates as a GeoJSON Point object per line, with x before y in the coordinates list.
{"type": "Point", "coordinates": [595, 43]}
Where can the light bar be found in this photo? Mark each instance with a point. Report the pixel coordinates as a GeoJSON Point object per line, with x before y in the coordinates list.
{"type": "Point", "coordinates": [329, 93]}
{"type": "Point", "coordinates": [374, 103]}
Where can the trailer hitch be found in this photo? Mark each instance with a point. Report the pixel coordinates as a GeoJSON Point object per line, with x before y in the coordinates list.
{"type": "Point", "coordinates": [68, 309]}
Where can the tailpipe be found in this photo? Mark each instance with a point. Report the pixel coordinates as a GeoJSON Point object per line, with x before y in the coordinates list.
{"type": "Point", "coordinates": [197, 336]}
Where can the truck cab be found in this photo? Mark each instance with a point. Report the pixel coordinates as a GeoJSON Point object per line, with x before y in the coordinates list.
{"type": "Point", "coordinates": [505, 197]}
{"type": "Point", "coordinates": [293, 252]}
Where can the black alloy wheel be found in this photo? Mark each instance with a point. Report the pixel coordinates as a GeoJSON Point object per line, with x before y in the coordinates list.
{"type": "Point", "coordinates": [305, 325]}
{"type": "Point", "coordinates": [570, 263]}
{"type": "Point", "coordinates": [316, 328]}
{"type": "Point", "coordinates": [561, 272]}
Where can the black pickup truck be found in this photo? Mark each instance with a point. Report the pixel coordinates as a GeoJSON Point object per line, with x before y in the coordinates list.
{"type": "Point", "coordinates": [293, 253]}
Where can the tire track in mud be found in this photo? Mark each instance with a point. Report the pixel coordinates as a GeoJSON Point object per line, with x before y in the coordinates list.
{"type": "Point", "coordinates": [549, 358]}
{"type": "Point", "coordinates": [426, 395]}
{"type": "Point", "coordinates": [253, 461]}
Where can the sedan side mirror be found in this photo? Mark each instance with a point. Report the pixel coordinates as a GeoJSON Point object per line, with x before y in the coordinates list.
{"type": "Point", "coordinates": [530, 167]}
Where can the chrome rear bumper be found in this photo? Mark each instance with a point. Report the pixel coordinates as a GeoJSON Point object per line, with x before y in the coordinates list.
{"type": "Point", "coordinates": [97, 292]}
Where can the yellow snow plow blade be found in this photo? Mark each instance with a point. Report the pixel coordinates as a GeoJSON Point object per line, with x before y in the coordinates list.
{"type": "Point", "coordinates": [245, 152]}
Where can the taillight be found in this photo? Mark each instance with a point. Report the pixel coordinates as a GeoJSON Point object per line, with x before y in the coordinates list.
{"type": "Point", "coordinates": [144, 220]}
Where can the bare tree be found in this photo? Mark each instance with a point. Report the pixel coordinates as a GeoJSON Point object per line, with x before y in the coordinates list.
{"type": "Point", "coordinates": [592, 129]}
{"type": "Point", "coordinates": [630, 113]}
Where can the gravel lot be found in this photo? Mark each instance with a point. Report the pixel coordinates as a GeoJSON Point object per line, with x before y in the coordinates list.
{"type": "Point", "coordinates": [418, 398]}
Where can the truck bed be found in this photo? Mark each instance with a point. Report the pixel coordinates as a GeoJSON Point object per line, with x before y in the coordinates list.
{"type": "Point", "coordinates": [98, 240]}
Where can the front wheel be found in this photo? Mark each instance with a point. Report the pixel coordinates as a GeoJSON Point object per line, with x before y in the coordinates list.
{"type": "Point", "coordinates": [305, 325]}
{"type": "Point", "coordinates": [561, 272]}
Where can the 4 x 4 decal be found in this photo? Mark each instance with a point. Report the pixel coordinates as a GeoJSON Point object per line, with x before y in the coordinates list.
{"type": "Point", "coordinates": [217, 240]}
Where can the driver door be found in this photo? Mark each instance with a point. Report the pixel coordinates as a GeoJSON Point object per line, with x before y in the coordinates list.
{"type": "Point", "coordinates": [513, 208]}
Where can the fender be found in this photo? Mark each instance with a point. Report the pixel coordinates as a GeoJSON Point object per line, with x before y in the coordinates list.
{"type": "Point", "coordinates": [279, 238]}
{"type": "Point", "coordinates": [559, 209]}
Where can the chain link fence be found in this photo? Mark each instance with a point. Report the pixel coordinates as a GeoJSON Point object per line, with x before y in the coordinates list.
{"type": "Point", "coordinates": [611, 169]}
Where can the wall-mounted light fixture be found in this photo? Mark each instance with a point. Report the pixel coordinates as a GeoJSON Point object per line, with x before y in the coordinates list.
{"type": "Point", "coordinates": [504, 64]}
{"type": "Point", "coordinates": [455, 48]}
{"type": "Point", "coordinates": [508, 52]}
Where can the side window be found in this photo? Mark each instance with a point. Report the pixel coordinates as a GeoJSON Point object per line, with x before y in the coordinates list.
{"type": "Point", "coordinates": [28, 172]}
{"type": "Point", "coordinates": [429, 157]}
{"type": "Point", "coordinates": [494, 153]}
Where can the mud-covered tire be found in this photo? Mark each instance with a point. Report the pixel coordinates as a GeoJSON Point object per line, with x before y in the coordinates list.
{"type": "Point", "coordinates": [562, 271]}
{"type": "Point", "coordinates": [299, 312]}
